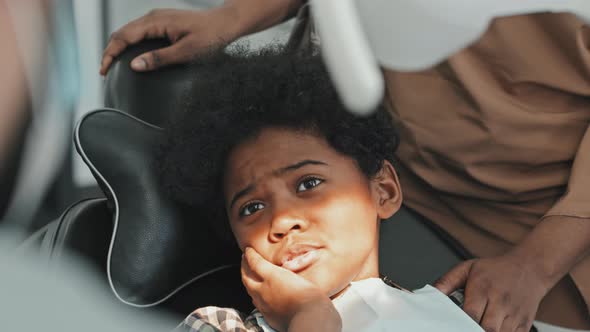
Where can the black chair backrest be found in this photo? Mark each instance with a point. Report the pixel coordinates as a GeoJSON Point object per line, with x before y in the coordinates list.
{"type": "Point", "coordinates": [157, 246]}
{"type": "Point", "coordinates": [150, 96]}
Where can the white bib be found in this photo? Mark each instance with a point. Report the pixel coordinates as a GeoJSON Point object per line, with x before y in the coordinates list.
{"type": "Point", "coordinates": [372, 305]}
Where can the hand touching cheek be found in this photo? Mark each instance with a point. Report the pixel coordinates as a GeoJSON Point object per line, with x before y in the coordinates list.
{"type": "Point", "coordinates": [287, 301]}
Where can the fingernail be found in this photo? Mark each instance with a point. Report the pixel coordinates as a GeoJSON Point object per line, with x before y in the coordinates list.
{"type": "Point", "coordinates": [139, 64]}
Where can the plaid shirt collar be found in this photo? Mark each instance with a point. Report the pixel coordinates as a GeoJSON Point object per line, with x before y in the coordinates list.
{"type": "Point", "coordinates": [216, 319]}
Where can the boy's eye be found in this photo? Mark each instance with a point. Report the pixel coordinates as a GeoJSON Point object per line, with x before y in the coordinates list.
{"type": "Point", "coordinates": [308, 183]}
{"type": "Point", "coordinates": [250, 209]}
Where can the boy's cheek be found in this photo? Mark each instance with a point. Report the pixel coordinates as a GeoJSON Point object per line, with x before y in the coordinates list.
{"type": "Point", "coordinates": [242, 237]}
{"type": "Point", "coordinates": [242, 245]}
{"type": "Point", "coordinates": [250, 236]}
{"type": "Point", "coordinates": [244, 242]}
{"type": "Point", "coordinates": [262, 248]}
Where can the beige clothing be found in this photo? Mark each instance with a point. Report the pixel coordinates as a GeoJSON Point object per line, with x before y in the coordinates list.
{"type": "Point", "coordinates": [493, 138]}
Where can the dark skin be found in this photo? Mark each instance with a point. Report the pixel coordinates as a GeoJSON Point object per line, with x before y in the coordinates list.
{"type": "Point", "coordinates": [502, 293]}
{"type": "Point", "coordinates": [193, 31]}
{"type": "Point", "coordinates": [299, 190]}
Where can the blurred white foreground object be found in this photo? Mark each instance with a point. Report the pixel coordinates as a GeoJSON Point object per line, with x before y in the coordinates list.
{"type": "Point", "coordinates": [358, 36]}
{"type": "Point", "coordinates": [64, 298]}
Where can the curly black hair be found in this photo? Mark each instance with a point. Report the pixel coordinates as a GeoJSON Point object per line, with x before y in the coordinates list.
{"type": "Point", "coordinates": [236, 95]}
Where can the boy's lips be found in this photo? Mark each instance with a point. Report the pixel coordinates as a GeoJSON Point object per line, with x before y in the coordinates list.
{"type": "Point", "coordinates": [299, 257]}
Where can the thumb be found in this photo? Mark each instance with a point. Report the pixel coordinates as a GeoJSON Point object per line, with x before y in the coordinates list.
{"type": "Point", "coordinates": [257, 263]}
{"type": "Point", "coordinates": [155, 59]}
{"type": "Point", "coordinates": [455, 278]}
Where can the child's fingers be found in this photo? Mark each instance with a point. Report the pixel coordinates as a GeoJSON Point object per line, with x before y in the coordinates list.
{"type": "Point", "coordinates": [257, 264]}
{"type": "Point", "coordinates": [252, 286]}
{"type": "Point", "coordinates": [250, 280]}
{"type": "Point", "coordinates": [247, 265]}
{"type": "Point", "coordinates": [247, 270]}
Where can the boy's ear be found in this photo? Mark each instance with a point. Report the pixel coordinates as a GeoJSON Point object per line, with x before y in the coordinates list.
{"type": "Point", "coordinates": [387, 191]}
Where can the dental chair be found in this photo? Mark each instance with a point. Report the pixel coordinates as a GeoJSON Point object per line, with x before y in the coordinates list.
{"type": "Point", "coordinates": [153, 252]}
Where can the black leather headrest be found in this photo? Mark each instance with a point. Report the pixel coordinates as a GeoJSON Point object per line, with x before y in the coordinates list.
{"type": "Point", "coordinates": [151, 96]}
{"type": "Point", "coordinates": [157, 246]}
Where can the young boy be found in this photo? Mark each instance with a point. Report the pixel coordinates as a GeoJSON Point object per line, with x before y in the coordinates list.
{"type": "Point", "coordinates": [267, 149]}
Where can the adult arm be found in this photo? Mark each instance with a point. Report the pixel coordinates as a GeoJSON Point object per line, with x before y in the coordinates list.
{"type": "Point", "coordinates": [195, 31]}
{"type": "Point", "coordinates": [568, 222]}
{"type": "Point", "coordinates": [503, 293]}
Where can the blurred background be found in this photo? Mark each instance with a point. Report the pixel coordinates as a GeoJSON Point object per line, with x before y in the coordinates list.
{"type": "Point", "coordinates": [78, 31]}
{"type": "Point", "coordinates": [49, 78]}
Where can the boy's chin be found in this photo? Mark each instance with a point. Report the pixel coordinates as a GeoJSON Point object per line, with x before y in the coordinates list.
{"type": "Point", "coordinates": [328, 282]}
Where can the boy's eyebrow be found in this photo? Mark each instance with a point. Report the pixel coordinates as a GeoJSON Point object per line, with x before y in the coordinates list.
{"type": "Point", "coordinates": [279, 171]}
{"type": "Point", "coordinates": [298, 165]}
{"type": "Point", "coordinates": [241, 193]}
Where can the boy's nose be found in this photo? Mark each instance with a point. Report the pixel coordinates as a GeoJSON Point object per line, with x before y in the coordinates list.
{"type": "Point", "coordinates": [284, 224]}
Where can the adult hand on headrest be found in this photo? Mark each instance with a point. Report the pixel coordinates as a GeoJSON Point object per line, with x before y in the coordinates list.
{"type": "Point", "coordinates": [192, 32]}
{"type": "Point", "coordinates": [189, 31]}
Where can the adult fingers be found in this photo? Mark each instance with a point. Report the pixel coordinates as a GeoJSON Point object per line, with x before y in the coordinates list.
{"type": "Point", "coordinates": [511, 324]}
{"type": "Point", "coordinates": [162, 57]}
{"type": "Point", "coordinates": [454, 279]}
{"type": "Point", "coordinates": [492, 320]}
{"type": "Point", "coordinates": [113, 49]}
{"type": "Point", "coordinates": [476, 301]}
{"type": "Point", "coordinates": [523, 324]}
{"type": "Point", "coordinates": [475, 309]}
{"type": "Point", "coordinates": [517, 320]}
{"type": "Point", "coordinates": [131, 33]}
{"type": "Point", "coordinates": [183, 50]}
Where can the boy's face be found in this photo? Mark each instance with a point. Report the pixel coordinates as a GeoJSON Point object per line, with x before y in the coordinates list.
{"type": "Point", "coordinates": [308, 208]}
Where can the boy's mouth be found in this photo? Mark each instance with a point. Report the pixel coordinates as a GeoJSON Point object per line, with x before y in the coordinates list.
{"type": "Point", "coordinates": [299, 257]}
